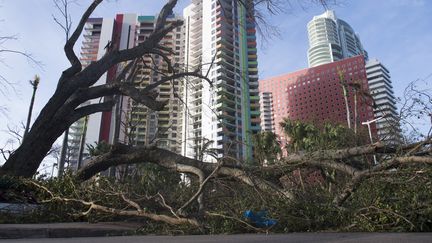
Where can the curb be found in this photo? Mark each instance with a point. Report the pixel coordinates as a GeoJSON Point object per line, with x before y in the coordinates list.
{"type": "Point", "coordinates": [65, 230]}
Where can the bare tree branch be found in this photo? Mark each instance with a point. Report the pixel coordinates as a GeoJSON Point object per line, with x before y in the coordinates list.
{"type": "Point", "coordinates": [70, 43]}
{"type": "Point", "coordinates": [90, 109]}
{"type": "Point", "coordinates": [121, 212]}
{"type": "Point", "coordinates": [200, 189]}
{"type": "Point", "coordinates": [163, 15]}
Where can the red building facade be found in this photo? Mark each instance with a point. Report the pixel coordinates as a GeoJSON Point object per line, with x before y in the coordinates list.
{"type": "Point", "coordinates": [316, 94]}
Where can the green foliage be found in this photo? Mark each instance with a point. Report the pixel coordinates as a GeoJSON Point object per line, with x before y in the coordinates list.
{"type": "Point", "coordinates": [395, 201]}
{"type": "Point", "coordinates": [100, 148]}
{"type": "Point", "coordinates": [266, 147]}
{"type": "Point", "coordinates": [400, 201]}
{"type": "Point", "coordinates": [28, 194]}
{"type": "Point", "coordinates": [309, 137]}
{"type": "Point", "coordinates": [14, 190]}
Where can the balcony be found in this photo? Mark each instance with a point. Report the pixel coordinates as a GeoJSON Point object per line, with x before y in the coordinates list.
{"type": "Point", "coordinates": [255, 113]}
{"type": "Point", "coordinates": [225, 98]}
{"type": "Point", "coordinates": [227, 116]}
{"type": "Point", "coordinates": [253, 70]}
{"type": "Point", "coordinates": [224, 106]}
{"type": "Point", "coordinates": [254, 97]}
{"type": "Point", "coordinates": [256, 120]}
{"type": "Point", "coordinates": [255, 91]}
{"type": "Point", "coordinates": [253, 64]}
{"type": "Point", "coordinates": [255, 105]}
{"type": "Point", "coordinates": [255, 128]}
{"type": "Point", "coordinates": [252, 51]}
{"type": "Point", "coordinates": [224, 91]}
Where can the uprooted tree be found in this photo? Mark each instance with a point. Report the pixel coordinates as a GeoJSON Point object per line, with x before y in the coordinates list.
{"type": "Point", "coordinates": [77, 85]}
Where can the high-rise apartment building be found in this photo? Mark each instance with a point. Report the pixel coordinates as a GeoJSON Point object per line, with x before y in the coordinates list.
{"type": "Point", "coordinates": [316, 95]}
{"type": "Point", "coordinates": [223, 114]}
{"type": "Point", "coordinates": [130, 122]}
{"type": "Point", "coordinates": [97, 32]}
{"type": "Point", "coordinates": [266, 110]}
{"type": "Point", "coordinates": [162, 127]}
{"type": "Point", "coordinates": [331, 39]}
{"type": "Point", "coordinates": [381, 89]}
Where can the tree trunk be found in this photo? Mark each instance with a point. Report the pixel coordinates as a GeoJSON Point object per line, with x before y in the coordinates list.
{"type": "Point", "coordinates": [27, 158]}
{"type": "Point", "coordinates": [48, 126]}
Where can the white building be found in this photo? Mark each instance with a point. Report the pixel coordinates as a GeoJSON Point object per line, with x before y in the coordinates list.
{"type": "Point", "coordinates": [223, 114]}
{"type": "Point", "coordinates": [331, 39]}
{"type": "Point", "coordinates": [162, 128]}
{"type": "Point", "coordinates": [129, 122]}
{"type": "Point", "coordinates": [381, 89]}
{"type": "Point", "coordinates": [266, 110]}
{"type": "Point", "coordinates": [97, 34]}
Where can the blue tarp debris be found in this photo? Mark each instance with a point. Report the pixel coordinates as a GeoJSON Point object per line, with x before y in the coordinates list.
{"type": "Point", "coordinates": [259, 219]}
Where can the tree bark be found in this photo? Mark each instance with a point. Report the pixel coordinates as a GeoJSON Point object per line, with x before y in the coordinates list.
{"type": "Point", "coordinates": [61, 110]}
{"type": "Point", "coordinates": [123, 154]}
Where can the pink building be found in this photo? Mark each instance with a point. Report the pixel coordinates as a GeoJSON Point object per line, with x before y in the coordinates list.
{"type": "Point", "coordinates": [316, 94]}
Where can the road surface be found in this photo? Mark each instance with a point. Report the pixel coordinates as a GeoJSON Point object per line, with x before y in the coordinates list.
{"type": "Point", "coordinates": [250, 238]}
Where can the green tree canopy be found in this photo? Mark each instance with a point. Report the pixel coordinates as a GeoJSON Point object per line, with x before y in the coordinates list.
{"type": "Point", "coordinates": [306, 136]}
{"type": "Point", "coordinates": [267, 148]}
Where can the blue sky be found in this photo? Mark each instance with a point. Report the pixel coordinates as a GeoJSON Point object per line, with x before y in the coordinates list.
{"type": "Point", "coordinates": [397, 32]}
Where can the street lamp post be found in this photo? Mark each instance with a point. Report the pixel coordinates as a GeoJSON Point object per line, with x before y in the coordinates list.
{"type": "Point", "coordinates": [370, 132]}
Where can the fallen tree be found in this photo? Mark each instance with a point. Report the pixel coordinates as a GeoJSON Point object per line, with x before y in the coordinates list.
{"type": "Point", "coordinates": [250, 175]}
{"type": "Point", "coordinates": [210, 183]}
{"type": "Point", "coordinates": [218, 193]}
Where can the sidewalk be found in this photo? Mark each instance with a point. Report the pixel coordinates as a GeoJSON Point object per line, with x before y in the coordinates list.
{"type": "Point", "coordinates": [65, 230]}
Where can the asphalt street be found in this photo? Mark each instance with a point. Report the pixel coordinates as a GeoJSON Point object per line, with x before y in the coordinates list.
{"type": "Point", "coordinates": [251, 238]}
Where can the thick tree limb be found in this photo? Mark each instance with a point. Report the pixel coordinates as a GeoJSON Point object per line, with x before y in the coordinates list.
{"type": "Point", "coordinates": [90, 109]}
{"type": "Point", "coordinates": [91, 74]}
{"type": "Point", "coordinates": [414, 159]}
{"type": "Point", "coordinates": [203, 182]}
{"type": "Point", "coordinates": [70, 43]}
{"type": "Point", "coordinates": [250, 180]}
{"type": "Point", "coordinates": [329, 158]}
{"type": "Point", "coordinates": [142, 97]}
{"type": "Point", "coordinates": [163, 15]}
{"type": "Point", "coordinates": [329, 164]}
{"type": "Point", "coordinates": [123, 154]}
{"type": "Point", "coordinates": [339, 153]}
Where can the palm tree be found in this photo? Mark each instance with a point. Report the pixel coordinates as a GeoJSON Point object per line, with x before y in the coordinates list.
{"type": "Point", "coordinates": [364, 94]}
